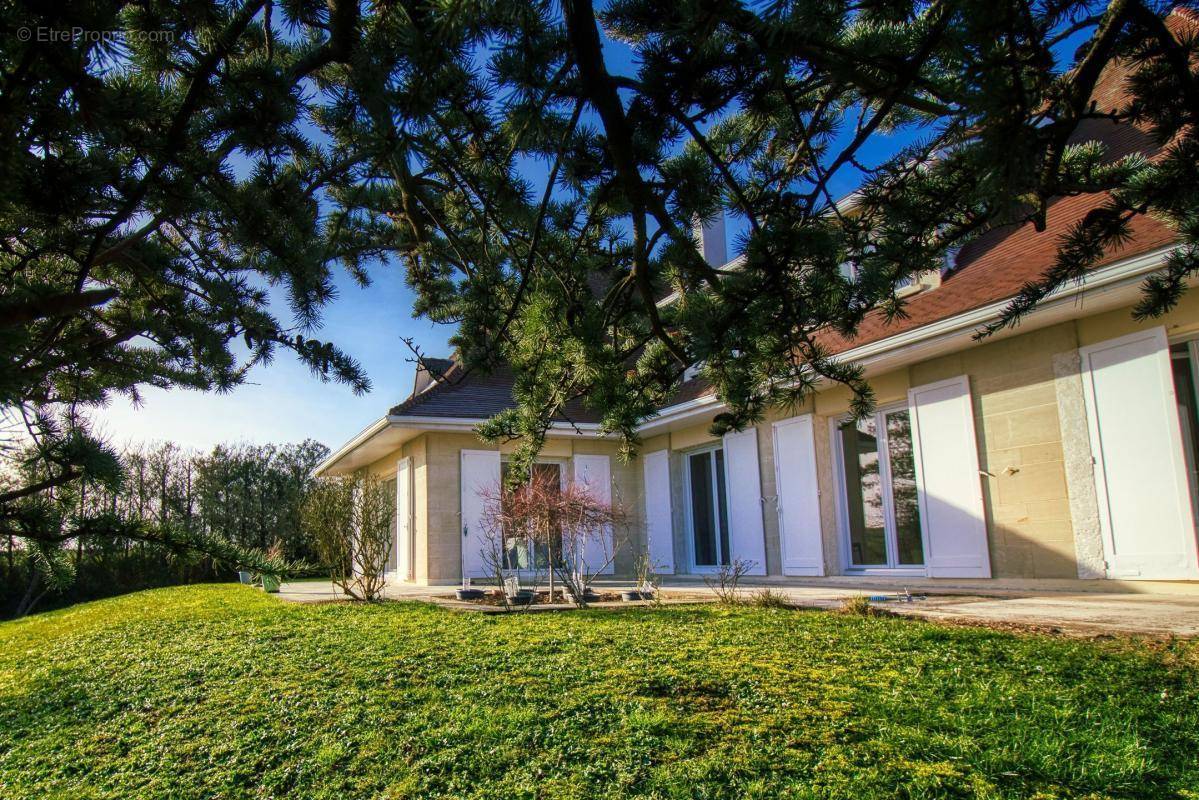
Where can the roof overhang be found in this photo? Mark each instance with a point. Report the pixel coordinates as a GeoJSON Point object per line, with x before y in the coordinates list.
{"type": "Point", "coordinates": [1103, 289]}
{"type": "Point", "coordinates": [388, 434]}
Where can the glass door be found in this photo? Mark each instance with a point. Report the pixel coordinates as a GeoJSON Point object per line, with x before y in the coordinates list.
{"type": "Point", "coordinates": [878, 477]}
{"type": "Point", "coordinates": [1185, 366]}
{"type": "Point", "coordinates": [521, 553]}
{"type": "Point", "coordinates": [708, 511]}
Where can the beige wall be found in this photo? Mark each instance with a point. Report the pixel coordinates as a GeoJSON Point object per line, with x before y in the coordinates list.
{"type": "Point", "coordinates": [1030, 424]}
{"type": "Point", "coordinates": [437, 519]}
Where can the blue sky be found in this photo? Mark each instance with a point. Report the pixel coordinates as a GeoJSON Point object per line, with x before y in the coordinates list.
{"type": "Point", "coordinates": [283, 402]}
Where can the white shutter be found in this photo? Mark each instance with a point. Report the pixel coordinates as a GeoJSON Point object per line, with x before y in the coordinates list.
{"type": "Point", "coordinates": [747, 537]}
{"type": "Point", "coordinates": [948, 487]}
{"type": "Point", "coordinates": [1140, 470]}
{"type": "Point", "coordinates": [596, 473]}
{"type": "Point", "coordinates": [658, 528]}
{"type": "Point", "coordinates": [800, 537]}
{"type": "Point", "coordinates": [403, 542]}
{"type": "Point", "coordinates": [480, 475]}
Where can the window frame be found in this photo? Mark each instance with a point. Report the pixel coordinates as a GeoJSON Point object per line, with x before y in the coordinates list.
{"type": "Point", "coordinates": [890, 526]}
{"type": "Point", "coordinates": [688, 514]}
{"type": "Point", "coordinates": [530, 553]}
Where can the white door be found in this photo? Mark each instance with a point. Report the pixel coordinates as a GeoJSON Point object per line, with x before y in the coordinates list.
{"type": "Point", "coordinates": [595, 472]}
{"type": "Point", "coordinates": [1140, 469]}
{"type": "Point", "coordinates": [403, 542]}
{"type": "Point", "coordinates": [658, 529]}
{"type": "Point", "coordinates": [747, 537]}
{"type": "Point", "coordinates": [948, 486]}
{"type": "Point", "coordinates": [798, 497]}
{"type": "Point", "coordinates": [480, 477]}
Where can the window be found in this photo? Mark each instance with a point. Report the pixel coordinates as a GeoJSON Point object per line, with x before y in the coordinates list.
{"type": "Point", "coordinates": [878, 476]}
{"type": "Point", "coordinates": [1184, 360]}
{"type": "Point", "coordinates": [389, 486]}
{"type": "Point", "coordinates": [520, 553]}
{"type": "Point", "coordinates": [708, 508]}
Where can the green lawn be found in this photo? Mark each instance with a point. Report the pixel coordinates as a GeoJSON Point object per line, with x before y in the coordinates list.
{"type": "Point", "coordinates": [222, 691]}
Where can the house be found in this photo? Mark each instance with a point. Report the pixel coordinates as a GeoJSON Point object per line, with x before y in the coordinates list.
{"type": "Point", "coordinates": [1064, 449]}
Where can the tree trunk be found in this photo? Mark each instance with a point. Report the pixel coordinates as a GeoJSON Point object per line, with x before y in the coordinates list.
{"type": "Point", "coordinates": [30, 600]}
{"type": "Point", "coordinates": [549, 553]}
{"type": "Point", "coordinates": [82, 513]}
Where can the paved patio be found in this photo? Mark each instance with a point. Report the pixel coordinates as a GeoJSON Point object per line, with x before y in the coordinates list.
{"type": "Point", "coordinates": [1078, 608]}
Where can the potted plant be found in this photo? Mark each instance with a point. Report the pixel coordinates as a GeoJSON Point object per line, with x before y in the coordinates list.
{"type": "Point", "coordinates": [589, 595]}
{"type": "Point", "coordinates": [270, 583]}
{"type": "Point", "coordinates": [468, 593]}
{"type": "Point", "coordinates": [517, 595]}
{"type": "Point", "coordinates": [522, 597]}
{"type": "Point", "coordinates": [645, 581]}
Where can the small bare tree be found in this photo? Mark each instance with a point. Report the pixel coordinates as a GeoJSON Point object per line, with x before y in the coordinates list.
{"type": "Point", "coordinates": [561, 522]}
{"type": "Point", "coordinates": [349, 520]}
{"type": "Point", "coordinates": [726, 583]}
{"type": "Point", "coordinates": [646, 573]}
{"type": "Point", "coordinates": [374, 509]}
{"type": "Point", "coordinates": [494, 555]}
{"type": "Point", "coordinates": [327, 518]}
{"type": "Point", "coordinates": [592, 532]}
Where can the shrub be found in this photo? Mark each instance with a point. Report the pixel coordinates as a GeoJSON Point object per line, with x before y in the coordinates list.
{"type": "Point", "coordinates": [725, 584]}
{"type": "Point", "coordinates": [349, 522]}
{"type": "Point", "coordinates": [562, 521]}
{"type": "Point", "coordinates": [858, 605]}
{"type": "Point", "coordinates": [770, 598]}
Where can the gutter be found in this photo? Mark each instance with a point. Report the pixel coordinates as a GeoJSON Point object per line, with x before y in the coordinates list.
{"type": "Point", "coordinates": [451, 424]}
{"type": "Point", "coordinates": [365, 435]}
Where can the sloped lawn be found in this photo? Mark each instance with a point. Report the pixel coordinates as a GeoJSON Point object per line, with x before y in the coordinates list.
{"type": "Point", "coordinates": [221, 691]}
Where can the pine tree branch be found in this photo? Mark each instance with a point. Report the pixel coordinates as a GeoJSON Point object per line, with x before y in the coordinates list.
{"type": "Point", "coordinates": [57, 305]}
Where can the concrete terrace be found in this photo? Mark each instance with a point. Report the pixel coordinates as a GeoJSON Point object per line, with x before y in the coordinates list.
{"type": "Point", "coordinates": [1076, 608]}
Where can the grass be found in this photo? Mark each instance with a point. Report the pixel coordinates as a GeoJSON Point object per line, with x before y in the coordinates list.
{"type": "Point", "coordinates": [221, 691]}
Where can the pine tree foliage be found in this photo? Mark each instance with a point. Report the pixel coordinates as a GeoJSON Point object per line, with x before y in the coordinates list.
{"type": "Point", "coordinates": [536, 167]}
{"type": "Point", "coordinates": [165, 194]}
{"type": "Point", "coordinates": [755, 111]}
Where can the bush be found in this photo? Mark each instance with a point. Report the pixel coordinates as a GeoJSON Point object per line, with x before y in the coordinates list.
{"type": "Point", "coordinates": [770, 598]}
{"type": "Point", "coordinates": [859, 605]}
{"type": "Point", "coordinates": [725, 584]}
{"type": "Point", "coordinates": [349, 522]}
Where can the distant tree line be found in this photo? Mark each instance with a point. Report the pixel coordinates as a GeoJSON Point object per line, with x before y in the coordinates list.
{"type": "Point", "coordinates": [244, 496]}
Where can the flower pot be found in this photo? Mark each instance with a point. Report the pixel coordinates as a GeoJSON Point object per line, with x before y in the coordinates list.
{"type": "Point", "coordinates": [469, 594]}
{"type": "Point", "coordinates": [245, 577]}
{"type": "Point", "coordinates": [523, 597]}
{"type": "Point", "coordinates": [270, 583]}
{"type": "Point", "coordinates": [633, 595]}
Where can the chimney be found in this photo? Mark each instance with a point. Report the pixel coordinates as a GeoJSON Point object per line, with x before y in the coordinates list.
{"type": "Point", "coordinates": [709, 238]}
{"type": "Point", "coordinates": [429, 371]}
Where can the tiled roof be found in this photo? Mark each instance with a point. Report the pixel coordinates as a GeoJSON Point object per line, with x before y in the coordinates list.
{"type": "Point", "coordinates": [994, 267]}
{"type": "Point", "coordinates": [475, 395]}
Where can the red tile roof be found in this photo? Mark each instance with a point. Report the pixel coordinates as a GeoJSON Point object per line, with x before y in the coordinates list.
{"type": "Point", "coordinates": [995, 266]}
